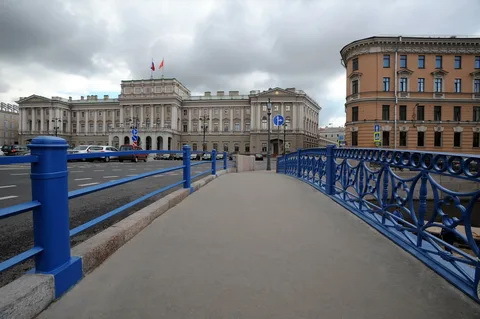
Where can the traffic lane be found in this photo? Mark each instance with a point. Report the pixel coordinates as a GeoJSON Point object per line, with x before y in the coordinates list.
{"type": "Point", "coordinates": [17, 236]}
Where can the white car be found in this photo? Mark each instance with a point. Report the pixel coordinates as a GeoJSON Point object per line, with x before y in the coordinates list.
{"type": "Point", "coordinates": [81, 149]}
{"type": "Point", "coordinates": [103, 149]}
{"type": "Point", "coordinates": [2, 153]}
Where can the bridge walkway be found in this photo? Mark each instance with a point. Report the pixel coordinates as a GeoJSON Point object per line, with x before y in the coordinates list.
{"type": "Point", "coordinates": [261, 245]}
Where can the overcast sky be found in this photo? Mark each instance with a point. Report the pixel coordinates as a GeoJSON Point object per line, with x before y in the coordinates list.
{"type": "Point", "coordinates": [73, 48]}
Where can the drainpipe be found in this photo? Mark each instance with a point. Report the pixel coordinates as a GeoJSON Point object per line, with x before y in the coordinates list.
{"type": "Point", "coordinates": [396, 95]}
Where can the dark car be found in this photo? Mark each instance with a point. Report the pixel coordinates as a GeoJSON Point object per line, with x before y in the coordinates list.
{"type": "Point", "coordinates": [133, 158]}
{"type": "Point", "coordinates": [258, 157]}
{"type": "Point", "coordinates": [17, 150]}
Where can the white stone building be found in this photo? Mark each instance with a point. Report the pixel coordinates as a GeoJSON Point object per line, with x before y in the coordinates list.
{"type": "Point", "coordinates": [167, 116]}
{"type": "Point", "coordinates": [9, 117]}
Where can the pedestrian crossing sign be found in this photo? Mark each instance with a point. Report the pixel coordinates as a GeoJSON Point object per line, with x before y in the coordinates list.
{"type": "Point", "coordinates": [376, 136]}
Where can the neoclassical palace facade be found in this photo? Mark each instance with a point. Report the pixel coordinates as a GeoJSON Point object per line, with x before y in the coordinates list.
{"type": "Point", "coordinates": [167, 116]}
{"type": "Point", "coordinates": [419, 92]}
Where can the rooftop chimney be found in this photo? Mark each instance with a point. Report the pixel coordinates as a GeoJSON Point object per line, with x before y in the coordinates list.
{"type": "Point", "coordinates": [82, 98]}
{"type": "Point", "coordinates": [105, 97]}
{"type": "Point", "coordinates": [234, 93]}
{"type": "Point", "coordinates": [208, 93]}
{"type": "Point", "coordinates": [220, 93]}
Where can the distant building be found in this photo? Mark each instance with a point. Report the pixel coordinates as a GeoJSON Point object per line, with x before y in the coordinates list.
{"type": "Point", "coordinates": [9, 119]}
{"type": "Point", "coordinates": [419, 92]}
{"type": "Point", "coordinates": [334, 135]}
{"type": "Point", "coordinates": [167, 116]}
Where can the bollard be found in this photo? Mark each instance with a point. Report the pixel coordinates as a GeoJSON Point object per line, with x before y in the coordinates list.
{"type": "Point", "coordinates": [186, 167]}
{"type": "Point", "coordinates": [299, 166]}
{"type": "Point", "coordinates": [225, 160]}
{"type": "Point", "coordinates": [51, 224]}
{"type": "Point", "coordinates": [214, 162]}
{"type": "Point", "coordinates": [330, 171]}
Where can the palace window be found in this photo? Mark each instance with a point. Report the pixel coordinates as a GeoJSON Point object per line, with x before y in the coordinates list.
{"type": "Point", "coordinates": [421, 62]}
{"type": "Point", "coordinates": [355, 64]}
{"type": "Point", "coordinates": [403, 112]}
{"type": "Point", "coordinates": [386, 60]}
{"type": "Point", "coordinates": [355, 114]}
{"type": "Point", "coordinates": [476, 86]}
{"type": "Point", "coordinates": [437, 113]}
{"type": "Point", "coordinates": [237, 127]}
{"type": "Point", "coordinates": [476, 113]}
{"type": "Point", "coordinates": [385, 112]}
{"type": "Point", "coordinates": [458, 85]}
{"type": "Point", "coordinates": [403, 61]}
{"type": "Point", "coordinates": [403, 85]}
{"type": "Point", "coordinates": [420, 138]}
{"type": "Point", "coordinates": [247, 148]}
{"type": "Point", "coordinates": [421, 113]}
{"type": "Point", "coordinates": [355, 138]}
{"type": "Point", "coordinates": [386, 84]}
{"type": "Point", "coordinates": [438, 85]}
{"type": "Point", "coordinates": [354, 86]}
{"type": "Point", "coordinates": [421, 85]}
{"type": "Point", "coordinates": [264, 147]}
{"type": "Point", "coordinates": [458, 62]}
{"type": "Point", "coordinates": [476, 139]}
{"type": "Point", "coordinates": [194, 146]}
{"type": "Point", "coordinates": [457, 113]}
{"type": "Point", "coordinates": [438, 62]}
{"type": "Point", "coordinates": [438, 139]}
{"type": "Point", "coordinates": [457, 137]}
{"type": "Point", "coordinates": [264, 123]}
{"type": "Point", "coordinates": [403, 138]}
{"type": "Point", "coordinates": [385, 138]}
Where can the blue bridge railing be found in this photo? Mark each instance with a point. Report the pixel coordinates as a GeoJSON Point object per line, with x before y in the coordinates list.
{"type": "Point", "coordinates": [400, 194]}
{"type": "Point", "coordinates": [50, 196]}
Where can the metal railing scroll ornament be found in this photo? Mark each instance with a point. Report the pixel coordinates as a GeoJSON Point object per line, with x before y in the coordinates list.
{"type": "Point", "coordinates": [403, 195]}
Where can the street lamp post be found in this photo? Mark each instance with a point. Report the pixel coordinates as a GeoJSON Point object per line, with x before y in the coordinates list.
{"type": "Point", "coordinates": [284, 137]}
{"type": "Point", "coordinates": [204, 119]}
{"type": "Point", "coordinates": [56, 122]}
{"type": "Point", "coordinates": [269, 113]}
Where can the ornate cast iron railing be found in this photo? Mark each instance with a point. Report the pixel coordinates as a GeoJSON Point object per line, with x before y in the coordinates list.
{"type": "Point", "coordinates": [400, 194]}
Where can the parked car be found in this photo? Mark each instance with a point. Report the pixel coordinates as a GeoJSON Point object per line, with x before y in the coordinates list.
{"type": "Point", "coordinates": [258, 157]}
{"type": "Point", "coordinates": [2, 153]}
{"type": "Point", "coordinates": [178, 156]}
{"type": "Point", "coordinates": [5, 149]}
{"type": "Point", "coordinates": [219, 156]}
{"type": "Point", "coordinates": [164, 156]}
{"type": "Point", "coordinates": [207, 157]}
{"type": "Point", "coordinates": [17, 150]}
{"type": "Point", "coordinates": [133, 157]}
{"type": "Point", "coordinates": [193, 156]}
{"type": "Point", "coordinates": [103, 149]}
{"type": "Point", "coordinates": [81, 149]}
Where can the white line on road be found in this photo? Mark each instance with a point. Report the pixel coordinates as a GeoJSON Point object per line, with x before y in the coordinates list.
{"type": "Point", "coordinates": [89, 184]}
{"type": "Point", "coordinates": [7, 197]}
{"type": "Point", "coordinates": [83, 179]}
{"type": "Point", "coordinates": [8, 186]}
{"type": "Point", "coordinates": [19, 174]}
{"type": "Point", "coordinates": [110, 176]}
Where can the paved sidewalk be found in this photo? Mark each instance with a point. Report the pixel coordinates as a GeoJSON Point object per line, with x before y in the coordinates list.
{"type": "Point", "coordinates": [261, 245]}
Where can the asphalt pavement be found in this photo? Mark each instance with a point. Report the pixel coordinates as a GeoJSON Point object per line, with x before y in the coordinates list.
{"type": "Point", "coordinates": [16, 233]}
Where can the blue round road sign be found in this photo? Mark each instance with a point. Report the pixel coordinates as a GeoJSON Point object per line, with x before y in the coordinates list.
{"type": "Point", "coordinates": [278, 120]}
{"type": "Point", "coordinates": [134, 131]}
{"type": "Point", "coordinates": [134, 138]}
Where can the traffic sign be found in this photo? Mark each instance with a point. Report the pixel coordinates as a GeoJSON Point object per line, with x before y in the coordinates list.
{"type": "Point", "coordinates": [376, 136]}
{"type": "Point", "coordinates": [134, 131]}
{"type": "Point", "coordinates": [376, 128]}
{"type": "Point", "coordinates": [278, 120]}
{"type": "Point", "coordinates": [134, 138]}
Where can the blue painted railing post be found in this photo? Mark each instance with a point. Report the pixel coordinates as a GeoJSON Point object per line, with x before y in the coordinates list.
{"type": "Point", "coordinates": [186, 166]}
{"type": "Point", "coordinates": [299, 166]}
{"type": "Point", "coordinates": [330, 171]}
{"type": "Point", "coordinates": [214, 162]}
{"type": "Point", "coordinates": [285, 164]}
{"type": "Point", "coordinates": [51, 223]}
{"type": "Point", "coordinates": [225, 160]}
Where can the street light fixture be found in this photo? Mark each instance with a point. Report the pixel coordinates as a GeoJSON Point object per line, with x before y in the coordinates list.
{"type": "Point", "coordinates": [204, 119]}
{"type": "Point", "coordinates": [269, 113]}
{"type": "Point", "coordinates": [56, 122]}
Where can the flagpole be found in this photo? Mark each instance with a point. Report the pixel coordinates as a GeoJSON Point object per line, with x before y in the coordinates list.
{"type": "Point", "coordinates": [151, 71]}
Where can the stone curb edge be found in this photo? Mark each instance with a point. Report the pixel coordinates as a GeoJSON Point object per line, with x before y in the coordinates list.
{"type": "Point", "coordinates": [30, 294]}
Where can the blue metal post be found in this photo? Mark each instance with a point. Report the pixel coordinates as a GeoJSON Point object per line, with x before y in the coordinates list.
{"type": "Point", "coordinates": [284, 163]}
{"type": "Point", "coordinates": [330, 171]}
{"type": "Point", "coordinates": [186, 166]}
{"type": "Point", "coordinates": [225, 160]}
{"type": "Point", "coordinates": [51, 220]}
{"type": "Point", "coordinates": [299, 173]}
{"type": "Point", "coordinates": [214, 162]}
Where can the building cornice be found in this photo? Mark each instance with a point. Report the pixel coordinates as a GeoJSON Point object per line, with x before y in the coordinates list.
{"type": "Point", "coordinates": [420, 45]}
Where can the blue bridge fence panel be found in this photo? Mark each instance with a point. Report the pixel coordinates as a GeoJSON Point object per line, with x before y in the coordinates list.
{"type": "Point", "coordinates": [50, 196]}
{"type": "Point", "coordinates": [399, 193]}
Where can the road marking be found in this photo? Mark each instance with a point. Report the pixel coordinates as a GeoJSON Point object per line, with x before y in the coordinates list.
{"type": "Point", "coordinates": [76, 171]}
{"type": "Point", "coordinates": [19, 174]}
{"type": "Point", "coordinates": [89, 184]}
{"type": "Point", "coordinates": [7, 197]}
{"type": "Point", "coordinates": [83, 179]}
{"type": "Point", "coordinates": [12, 168]}
{"type": "Point", "coordinates": [98, 170]}
{"type": "Point", "coordinates": [8, 186]}
{"type": "Point", "coordinates": [110, 176]}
